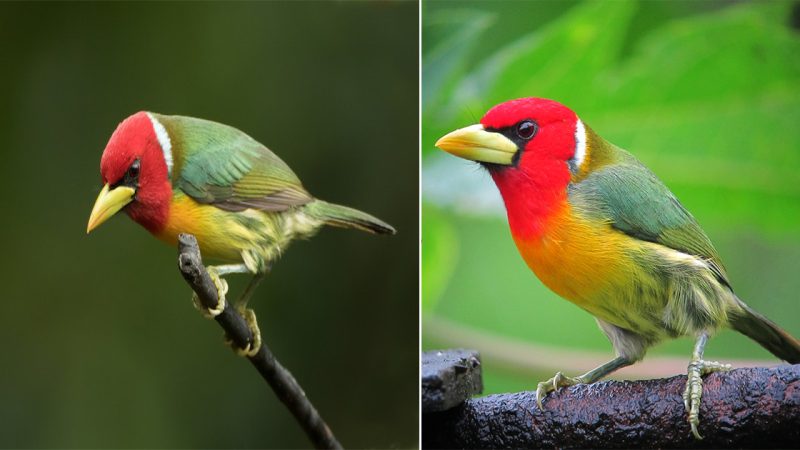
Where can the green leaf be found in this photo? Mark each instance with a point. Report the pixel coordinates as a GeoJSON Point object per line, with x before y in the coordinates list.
{"type": "Point", "coordinates": [439, 255]}
{"type": "Point", "coordinates": [553, 61]}
{"type": "Point", "coordinates": [445, 62]}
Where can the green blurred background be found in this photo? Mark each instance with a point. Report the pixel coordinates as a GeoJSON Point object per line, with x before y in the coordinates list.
{"type": "Point", "coordinates": [707, 94]}
{"type": "Point", "coordinates": [99, 343]}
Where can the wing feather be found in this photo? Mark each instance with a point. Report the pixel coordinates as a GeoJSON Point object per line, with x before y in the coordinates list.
{"type": "Point", "coordinates": [225, 167]}
{"type": "Point", "coordinates": [634, 201]}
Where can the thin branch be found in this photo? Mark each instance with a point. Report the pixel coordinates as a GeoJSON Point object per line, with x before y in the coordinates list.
{"type": "Point", "coordinates": [279, 379]}
{"type": "Point", "coordinates": [752, 407]}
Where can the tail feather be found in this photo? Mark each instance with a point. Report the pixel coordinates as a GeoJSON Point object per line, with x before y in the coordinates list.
{"type": "Point", "coordinates": [342, 216]}
{"type": "Point", "coordinates": [767, 333]}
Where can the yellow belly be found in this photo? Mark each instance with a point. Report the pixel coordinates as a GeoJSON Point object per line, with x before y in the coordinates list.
{"type": "Point", "coordinates": [251, 236]}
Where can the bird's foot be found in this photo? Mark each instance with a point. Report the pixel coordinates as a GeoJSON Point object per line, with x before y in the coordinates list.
{"type": "Point", "coordinates": [553, 384]}
{"type": "Point", "coordinates": [694, 389]}
{"type": "Point", "coordinates": [222, 289]}
{"type": "Point", "coordinates": [254, 345]}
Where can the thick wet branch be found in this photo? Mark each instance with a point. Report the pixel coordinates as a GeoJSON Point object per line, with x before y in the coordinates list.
{"type": "Point", "coordinates": [279, 379]}
{"type": "Point", "coordinates": [752, 407]}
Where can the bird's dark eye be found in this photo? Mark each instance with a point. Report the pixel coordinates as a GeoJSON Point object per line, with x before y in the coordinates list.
{"type": "Point", "coordinates": [526, 129]}
{"type": "Point", "coordinates": [133, 171]}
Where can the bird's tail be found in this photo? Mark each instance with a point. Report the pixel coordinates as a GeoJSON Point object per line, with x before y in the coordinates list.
{"type": "Point", "coordinates": [767, 333]}
{"type": "Point", "coordinates": [342, 216]}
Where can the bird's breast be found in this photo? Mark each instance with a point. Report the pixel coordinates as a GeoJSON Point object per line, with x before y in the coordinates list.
{"type": "Point", "coordinates": [577, 259]}
{"type": "Point", "coordinates": [636, 285]}
{"type": "Point", "coordinates": [212, 227]}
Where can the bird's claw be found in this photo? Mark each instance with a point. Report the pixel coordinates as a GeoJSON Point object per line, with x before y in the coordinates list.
{"type": "Point", "coordinates": [553, 384]}
{"type": "Point", "coordinates": [222, 289]}
{"type": "Point", "coordinates": [694, 389]}
{"type": "Point", "coordinates": [254, 345]}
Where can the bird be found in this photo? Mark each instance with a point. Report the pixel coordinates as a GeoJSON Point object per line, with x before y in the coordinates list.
{"type": "Point", "coordinates": [176, 174]}
{"type": "Point", "coordinates": [601, 230]}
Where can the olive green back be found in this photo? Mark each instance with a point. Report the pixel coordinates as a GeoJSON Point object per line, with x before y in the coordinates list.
{"type": "Point", "coordinates": [220, 165]}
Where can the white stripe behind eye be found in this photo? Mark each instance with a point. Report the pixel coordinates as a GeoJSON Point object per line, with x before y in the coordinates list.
{"type": "Point", "coordinates": [163, 141]}
{"type": "Point", "coordinates": [580, 144]}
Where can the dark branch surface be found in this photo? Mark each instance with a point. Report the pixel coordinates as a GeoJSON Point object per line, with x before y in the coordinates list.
{"type": "Point", "coordinates": [753, 407]}
{"type": "Point", "coordinates": [449, 377]}
{"type": "Point", "coordinates": [279, 379]}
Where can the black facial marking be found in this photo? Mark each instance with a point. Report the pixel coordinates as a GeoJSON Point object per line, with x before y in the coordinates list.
{"type": "Point", "coordinates": [131, 177]}
{"type": "Point", "coordinates": [520, 134]}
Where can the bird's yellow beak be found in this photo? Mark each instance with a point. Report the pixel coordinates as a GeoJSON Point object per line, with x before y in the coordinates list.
{"type": "Point", "coordinates": [108, 202]}
{"type": "Point", "coordinates": [477, 144]}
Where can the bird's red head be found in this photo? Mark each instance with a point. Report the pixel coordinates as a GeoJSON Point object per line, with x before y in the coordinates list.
{"type": "Point", "coordinates": [532, 147]}
{"type": "Point", "coordinates": [135, 169]}
{"type": "Point", "coordinates": [541, 129]}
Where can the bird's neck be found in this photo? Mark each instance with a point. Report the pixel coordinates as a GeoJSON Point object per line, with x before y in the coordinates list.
{"type": "Point", "coordinates": [533, 198]}
{"type": "Point", "coordinates": [151, 207]}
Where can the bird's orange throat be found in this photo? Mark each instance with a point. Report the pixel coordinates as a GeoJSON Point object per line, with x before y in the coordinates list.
{"type": "Point", "coordinates": [559, 246]}
{"type": "Point", "coordinates": [552, 255]}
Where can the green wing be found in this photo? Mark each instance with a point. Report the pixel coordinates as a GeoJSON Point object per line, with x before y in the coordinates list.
{"type": "Point", "coordinates": [634, 201]}
{"type": "Point", "coordinates": [220, 165]}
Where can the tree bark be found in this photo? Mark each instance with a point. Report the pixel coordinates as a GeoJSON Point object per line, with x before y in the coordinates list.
{"type": "Point", "coordinates": [752, 407]}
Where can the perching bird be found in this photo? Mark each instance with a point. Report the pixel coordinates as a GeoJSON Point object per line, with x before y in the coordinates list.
{"type": "Point", "coordinates": [175, 174]}
{"type": "Point", "coordinates": [602, 231]}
